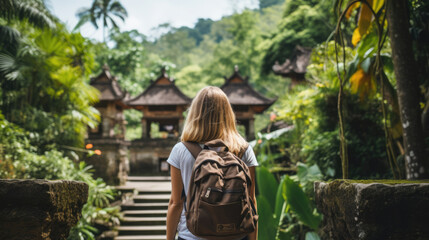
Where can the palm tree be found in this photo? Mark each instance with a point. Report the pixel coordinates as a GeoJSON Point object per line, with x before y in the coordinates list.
{"type": "Point", "coordinates": [103, 10]}
{"type": "Point", "coordinates": [34, 12]}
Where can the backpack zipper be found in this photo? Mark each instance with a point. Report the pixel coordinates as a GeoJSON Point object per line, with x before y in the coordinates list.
{"type": "Point", "coordinates": [234, 191]}
{"type": "Point", "coordinates": [222, 191]}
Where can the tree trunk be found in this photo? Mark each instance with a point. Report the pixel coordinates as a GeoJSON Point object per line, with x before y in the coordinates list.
{"type": "Point", "coordinates": [408, 88]}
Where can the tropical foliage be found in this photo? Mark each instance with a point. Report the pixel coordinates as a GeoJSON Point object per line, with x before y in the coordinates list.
{"type": "Point", "coordinates": [15, 10]}
{"type": "Point", "coordinates": [367, 72]}
{"type": "Point", "coordinates": [46, 106]}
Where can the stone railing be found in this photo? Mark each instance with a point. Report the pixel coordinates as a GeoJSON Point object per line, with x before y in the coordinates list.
{"type": "Point", "coordinates": [40, 209]}
{"type": "Point", "coordinates": [387, 210]}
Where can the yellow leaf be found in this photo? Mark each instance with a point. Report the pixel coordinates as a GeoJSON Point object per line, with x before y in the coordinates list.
{"type": "Point", "coordinates": [351, 9]}
{"type": "Point", "coordinates": [377, 4]}
{"type": "Point", "coordinates": [355, 80]}
{"type": "Point", "coordinates": [365, 18]}
{"type": "Point", "coordinates": [356, 37]}
{"type": "Point", "coordinates": [362, 82]}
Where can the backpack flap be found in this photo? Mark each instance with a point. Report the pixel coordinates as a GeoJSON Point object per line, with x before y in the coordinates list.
{"type": "Point", "coordinates": [217, 143]}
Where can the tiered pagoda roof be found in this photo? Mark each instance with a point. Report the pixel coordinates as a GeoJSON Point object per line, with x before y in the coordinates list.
{"type": "Point", "coordinates": [162, 91]}
{"type": "Point", "coordinates": [296, 66]}
{"type": "Point", "coordinates": [108, 86]}
{"type": "Point", "coordinates": [240, 93]}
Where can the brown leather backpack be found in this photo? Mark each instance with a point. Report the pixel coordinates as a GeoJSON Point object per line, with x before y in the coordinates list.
{"type": "Point", "coordinates": [218, 205]}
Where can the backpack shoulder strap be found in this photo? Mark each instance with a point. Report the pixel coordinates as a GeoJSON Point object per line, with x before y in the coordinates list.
{"type": "Point", "coordinates": [193, 147]}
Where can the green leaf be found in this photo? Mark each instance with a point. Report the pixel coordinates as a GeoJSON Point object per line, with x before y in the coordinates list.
{"type": "Point", "coordinates": [267, 228]}
{"type": "Point", "coordinates": [267, 186]}
{"type": "Point", "coordinates": [366, 64]}
{"type": "Point", "coordinates": [284, 235]}
{"type": "Point", "coordinates": [314, 170]}
{"type": "Point", "coordinates": [366, 46]}
{"type": "Point", "coordinates": [352, 67]}
{"type": "Point", "coordinates": [279, 202]}
{"type": "Point", "coordinates": [300, 204]}
{"type": "Point", "coordinates": [312, 236]}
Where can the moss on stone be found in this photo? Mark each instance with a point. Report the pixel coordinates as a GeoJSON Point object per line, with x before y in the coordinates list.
{"type": "Point", "coordinates": [40, 209]}
{"type": "Point", "coordinates": [382, 181]}
{"type": "Point", "coordinates": [373, 209]}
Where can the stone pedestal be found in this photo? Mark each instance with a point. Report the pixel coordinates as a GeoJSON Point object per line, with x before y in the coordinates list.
{"type": "Point", "coordinates": [40, 209]}
{"type": "Point", "coordinates": [112, 165]}
{"type": "Point", "coordinates": [373, 210]}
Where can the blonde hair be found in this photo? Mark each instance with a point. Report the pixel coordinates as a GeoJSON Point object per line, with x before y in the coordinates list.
{"type": "Point", "coordinates": [211, 117]}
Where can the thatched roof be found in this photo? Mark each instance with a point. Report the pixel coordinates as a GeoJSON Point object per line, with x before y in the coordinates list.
{"type": "Point", "coordinates": [162, 91]}
{"type": "Point", "coordinates": [108, 86]}
{"type": "Point", "coordinates": [239, 92]}
{"type": "Point", "coordinates": [296, 65]}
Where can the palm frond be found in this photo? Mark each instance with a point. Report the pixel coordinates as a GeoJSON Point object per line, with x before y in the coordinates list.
{"type": "Point", "coordinates": [113, 22]}
{"type": "Point", "coordinates": [118, 8]}
{"type": "Point", "coordinates": [119, 15]}
{"type": "Point", "coordinates": [95, 14]}
{"type": "Point", "coordinates": [81, 12]}
{"type": "Point", "coordinates": [37, 17]}
{"type": "Point", "coordinates": [82, 20]}
{"type": "Point", "coordinates": [6, 8]}
{"type": "Point", "coordinates": [7, 67]}
{"type": "Point", "coordinates": [9, 39]}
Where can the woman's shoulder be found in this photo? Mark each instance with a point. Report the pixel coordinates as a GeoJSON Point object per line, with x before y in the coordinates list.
{"type": "Point", "coordinates": [179, 147]}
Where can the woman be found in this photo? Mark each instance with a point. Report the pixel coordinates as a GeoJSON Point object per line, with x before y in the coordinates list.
{"type": "Point", "coordinates": [210, 117]}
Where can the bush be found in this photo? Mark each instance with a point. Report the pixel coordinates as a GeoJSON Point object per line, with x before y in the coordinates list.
{"type": "Point", "coordinates": [364, 133]}
{"type": "Point", "coordinates": [19, 159]}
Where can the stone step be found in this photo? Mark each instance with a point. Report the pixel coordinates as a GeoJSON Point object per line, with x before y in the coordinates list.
{"type": "Point", "coordinates": [125, 189]}
{"type": "Point", "coordinates": [143, 221]}
{"type": "Point", "coordinates": [152, 198]}
{"type": "Point", "coordinates": [145, 187]}
{"type": "Point", "coordinates": [145, 213]}
{"type": "Point", "coordinates": [142, 237]}
{"type": "Point", "coordinates": [153, 191]}
{"type": "Point", "coordinates": [145, 206]}
{"type": "Point", "coordinates": [142, 230]}
{"type": "Point", "coordinates": [148, 178]}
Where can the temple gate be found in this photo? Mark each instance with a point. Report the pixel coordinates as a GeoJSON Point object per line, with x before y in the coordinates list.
{"type": "Point", "coordinates": [245, 101]}
{"type": "Point", "coordinates": [163, 104]}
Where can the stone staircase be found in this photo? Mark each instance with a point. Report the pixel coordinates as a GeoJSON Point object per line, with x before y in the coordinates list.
{"type": "Point", "coordinates": [145, 213]}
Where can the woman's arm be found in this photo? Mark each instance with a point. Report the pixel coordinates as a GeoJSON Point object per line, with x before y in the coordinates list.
{"type": "Point", "coordinates": [253, 235]}
{"type": "Point", "coordinates": [176, 203]}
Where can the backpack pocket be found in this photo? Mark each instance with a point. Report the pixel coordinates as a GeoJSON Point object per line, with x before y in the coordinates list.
{"type": "Point", "coordinates": [219, 219]}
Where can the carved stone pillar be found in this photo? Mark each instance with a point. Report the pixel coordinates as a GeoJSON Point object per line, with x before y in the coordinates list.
{"type": "Point", "coordinates": [145, 133]}
{"type": "Point", "coordinates": [251, 130]}
{"type": "Point", "coordinates": [124, 165]}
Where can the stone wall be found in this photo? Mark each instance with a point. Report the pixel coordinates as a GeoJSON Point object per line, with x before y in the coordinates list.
{"type": "Point", "coordinates": [378, 210]}
{"type": "Point", "coordinates": [40, 209]}
{"type": "Point", "coordinates": [146, 155]}
{"type": "Point", "coordinates": [120, 158]}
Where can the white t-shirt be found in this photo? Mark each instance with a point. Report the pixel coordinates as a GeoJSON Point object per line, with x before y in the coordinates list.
{"type": "Point", "coordinates": [181, 158]}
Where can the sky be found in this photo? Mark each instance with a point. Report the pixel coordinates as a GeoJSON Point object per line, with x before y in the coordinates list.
{"type": "Point", "coordinates": [146, 15]}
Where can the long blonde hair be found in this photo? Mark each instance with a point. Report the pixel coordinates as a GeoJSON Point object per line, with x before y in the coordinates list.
{"type": "Point", "coordinates": [211, 117]}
